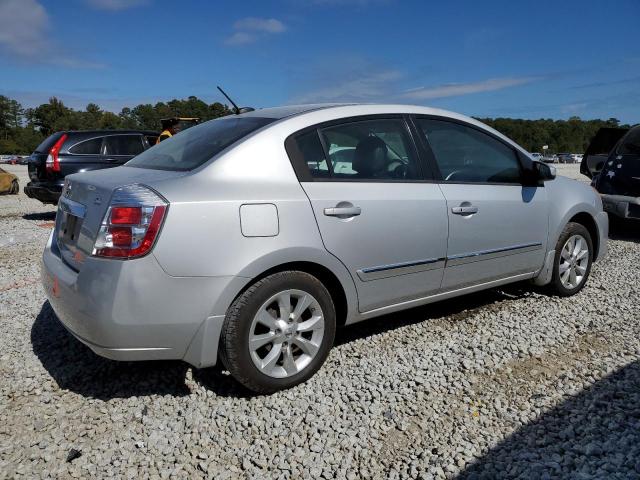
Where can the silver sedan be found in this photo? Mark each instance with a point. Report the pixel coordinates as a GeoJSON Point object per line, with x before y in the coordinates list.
{"type": "Point", "coordinates": [250, 238]}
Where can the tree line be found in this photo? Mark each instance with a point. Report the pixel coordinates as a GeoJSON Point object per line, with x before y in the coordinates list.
{"type": "Point", "coordinates": [570, 136]}
{"type": "Point", "coordinates": [22, 129]}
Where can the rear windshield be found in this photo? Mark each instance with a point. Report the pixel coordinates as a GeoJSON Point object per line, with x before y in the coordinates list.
{"type": "Point", "coordinates": [630, 144]}
{"type": "Point", "coordinates": [48, 142]}
{"type": "Point", "coordinates": [193, 147]}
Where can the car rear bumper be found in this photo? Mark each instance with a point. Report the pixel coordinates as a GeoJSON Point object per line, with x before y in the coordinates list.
{"type": "Point", "coordinates": [133, 310]}
{"type": "Point", "coordinates": [46, 193]}
{"type": "Point", "coordinates": [621, 205]}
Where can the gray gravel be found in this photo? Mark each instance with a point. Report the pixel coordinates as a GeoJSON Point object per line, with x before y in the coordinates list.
{"type": "Point", "coordinates": [506, 383]}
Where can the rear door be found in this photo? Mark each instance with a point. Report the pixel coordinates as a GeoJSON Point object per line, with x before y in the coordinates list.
{"type": "Point", "coordinates": [81, 153]}
{"type": "Point", "coordinates": [376, 211]}
{"type": "Point", "coordinates": [119, 149]}
{"type": "Point", "coordinates": [497, 226]}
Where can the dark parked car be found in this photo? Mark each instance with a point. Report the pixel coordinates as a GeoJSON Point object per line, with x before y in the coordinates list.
{"type": "Point", "coordinates": [616, 175]}
{"type": "Point", "coordinates": [64, 153]}
{"type": "Point", "coordinates": [599, 149]}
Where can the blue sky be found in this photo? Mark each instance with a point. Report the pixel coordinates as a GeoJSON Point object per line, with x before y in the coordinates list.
{"type": "Point", "coordinates": [542, 59]}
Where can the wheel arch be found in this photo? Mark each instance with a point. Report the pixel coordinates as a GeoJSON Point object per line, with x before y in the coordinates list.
{"type": "Point", "coordinates": [587, 221]}
{"type": "Point", "coordinates": [322, 273]}
{"type": "Point", "coordinates": [325, 267]}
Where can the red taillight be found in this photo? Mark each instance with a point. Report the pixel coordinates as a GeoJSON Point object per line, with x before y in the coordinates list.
{"type": "Point", "coordinates": [126, 215]}
{"type": "Point", "coordinates": [52, 163]}
{"type": "Point", "coordinates": [130, 231]}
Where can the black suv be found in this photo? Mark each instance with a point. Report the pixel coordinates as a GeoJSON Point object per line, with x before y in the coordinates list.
{"type": "Point", "coordinates": [615, 172]}
{"type": "Point", "coordinates": [64, 153]}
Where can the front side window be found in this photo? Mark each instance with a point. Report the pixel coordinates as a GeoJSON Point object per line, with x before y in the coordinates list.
{"type": "Point", "coordinates": [466, 155]}
{"type": "Point", "coordinates": [88, 147]}
{"type": "Point", "coordinates": [193, 147]}
{"type": "Point", "coordinates": [123, 145]}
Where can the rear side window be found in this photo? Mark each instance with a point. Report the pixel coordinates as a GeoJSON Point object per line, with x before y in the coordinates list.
{"type": "Point", "coordinates": [466, 155]}
{"type": "Point", "coordinates": [309, 149]}
{"type": "Point", "coordinates": [123, 145]}
{"type": "Point", "coordinates": [88, 147]}
{"type": "Point", "coordinates": [630, 144]}
{"type": "Point", "coordinates": [193, 147]}
{"type": "Point", "coordinates": [368, 150]}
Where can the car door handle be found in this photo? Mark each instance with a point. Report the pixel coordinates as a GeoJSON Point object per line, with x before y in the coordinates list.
{"type": "Point", "coordinates": [469, 210]}
{"type": "Point", "coordinates": [343, 212]}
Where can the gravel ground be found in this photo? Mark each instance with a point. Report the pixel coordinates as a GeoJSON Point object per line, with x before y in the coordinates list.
{"type": "Point", "coordinates": [509, 383]}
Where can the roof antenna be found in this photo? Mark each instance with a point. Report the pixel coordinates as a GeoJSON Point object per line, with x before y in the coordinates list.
{"type": "Point", "coordinates": [236, 110]}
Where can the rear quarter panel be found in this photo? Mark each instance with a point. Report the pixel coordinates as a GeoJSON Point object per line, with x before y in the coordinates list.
{"type": "Point", "coordinates": [202, 235]}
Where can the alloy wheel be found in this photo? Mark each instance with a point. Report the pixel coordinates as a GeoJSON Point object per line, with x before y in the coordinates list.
{"type": "Point", "coordinates": [286, 333]}
{"type": "Point", "coordinates": [574, 261]}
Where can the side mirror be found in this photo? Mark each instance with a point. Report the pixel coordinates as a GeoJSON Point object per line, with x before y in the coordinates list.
{"type": "Point", "coordinates": [542, 171]}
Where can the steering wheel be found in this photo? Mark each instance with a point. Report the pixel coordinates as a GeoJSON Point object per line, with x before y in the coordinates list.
{"type": "Point", "coordinates": [397, 169]}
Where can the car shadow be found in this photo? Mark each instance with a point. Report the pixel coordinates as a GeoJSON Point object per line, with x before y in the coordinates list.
{"type": "Point", "coordinates": [598, 428]}
{"type": "Point", "coordinates": [76, 368]}
{"type": "Point", "coordinates": [452, 311]}
{"type": "Point", "coordinates": [41, 216]}
{"type": "Point", "coordinates": [624, 230]}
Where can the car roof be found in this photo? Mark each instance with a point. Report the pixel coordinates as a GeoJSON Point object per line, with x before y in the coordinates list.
{"type": "Point", "coordinates": [297, 117]}
{"type": "Point", "coordinates": [110, 132]}
{"type": "Point", "coordinates": [285, 111]}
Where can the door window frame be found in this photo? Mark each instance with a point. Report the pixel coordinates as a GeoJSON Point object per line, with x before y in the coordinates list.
{"type": "Point", "coordinates": [100, 152]}
{"type": "Point", "coordinates": [104, 144]}
{"type": "Point", "coordinates": [524, 164]}
{"type": "Point", "coordinates": [302, 171]}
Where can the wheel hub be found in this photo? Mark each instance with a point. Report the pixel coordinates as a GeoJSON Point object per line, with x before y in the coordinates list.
{"type": "Point", "coordinates": [286, 333]}
{"type": "Point", "coordinates": [574, 261]}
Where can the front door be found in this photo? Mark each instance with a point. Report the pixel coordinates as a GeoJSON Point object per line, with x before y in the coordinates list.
{"type": "Point", "coordinates": [374, 210]}
{"type": "Point", "coordinates": [497, 226]}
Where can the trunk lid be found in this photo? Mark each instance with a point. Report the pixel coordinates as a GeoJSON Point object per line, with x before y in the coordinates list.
{"type": "Point", "coordinates": [84, 202]}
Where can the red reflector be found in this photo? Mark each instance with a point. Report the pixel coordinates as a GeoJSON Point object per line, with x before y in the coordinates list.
{"type": "Point", "coordinates": [121, 236]}
{"type": "Point", "coordinates": [126, 215]}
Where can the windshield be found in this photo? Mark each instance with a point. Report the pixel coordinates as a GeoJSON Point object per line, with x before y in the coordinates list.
{"type": "Point", "coordinates": [193, 147]}
{"type": "Point", "coordinates": [630, 144]}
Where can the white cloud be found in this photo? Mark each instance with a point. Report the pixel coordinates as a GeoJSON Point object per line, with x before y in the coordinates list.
{"type": "Point", "coordinates": [240, 38]}
{"type": "Point", "coordinates": [25, 34]}
{"type": "Point", "coordinates": [457, 89]}
{"type": "Point", "coordinates": [251, 29]}
{"type": "Point", "coordinates": [268, 25]}
{"type": "Point", "coordinates": [23, 27]}
{"type": "Point", "coordinates": [572, 108]}
{"type": "Point", "coordinates": [367, 86]}
{"type": "Point", "coordinates": [116, 5]}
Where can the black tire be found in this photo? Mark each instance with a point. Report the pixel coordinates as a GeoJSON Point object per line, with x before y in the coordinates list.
{"type": "Point", "coordinates": [234, 340]}
{"type": "Point", "coordinates": [557, 285]}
